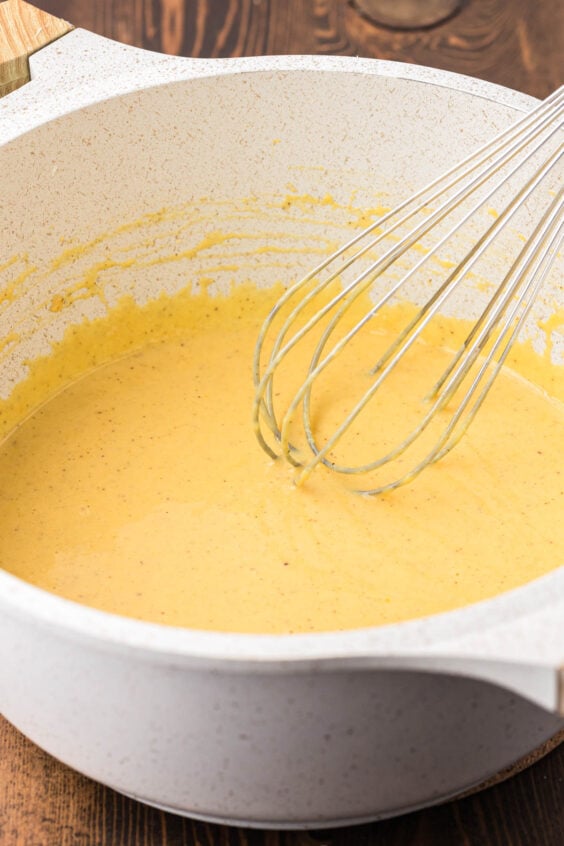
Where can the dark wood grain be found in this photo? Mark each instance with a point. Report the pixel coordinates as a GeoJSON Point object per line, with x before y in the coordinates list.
{"type": "Point", "coordinates": [518, 43]}
{"type": "Point", "coordinates": [46, 804]}
{"type": "Point", "coordinates": [513, 42]}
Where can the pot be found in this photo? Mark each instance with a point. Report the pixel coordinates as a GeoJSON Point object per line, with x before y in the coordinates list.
{"type": "Point", "coordinates": [290, 731]}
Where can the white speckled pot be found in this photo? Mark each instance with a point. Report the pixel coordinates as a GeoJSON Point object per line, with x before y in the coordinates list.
{"type": "Point", "coordinates": [282, 731]}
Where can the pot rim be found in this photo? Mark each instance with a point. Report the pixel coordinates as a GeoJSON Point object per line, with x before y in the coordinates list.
{"type": "Point", "coordinates": [81, 69]}
{"type": "Point", "coordinates": [477, 630]}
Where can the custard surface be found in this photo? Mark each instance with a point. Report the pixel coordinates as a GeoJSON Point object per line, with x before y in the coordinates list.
{"type": "Point", "coordinates": [140, 489]}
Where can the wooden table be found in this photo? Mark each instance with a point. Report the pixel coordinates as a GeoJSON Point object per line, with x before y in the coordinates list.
{"type": "Point", "coordinates": [518, 43]}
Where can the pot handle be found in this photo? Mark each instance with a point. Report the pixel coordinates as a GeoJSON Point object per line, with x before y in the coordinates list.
{"type": "Point", "coordinates": [23, 30]}
{"type": "Point", "coordinates": [539, 683]}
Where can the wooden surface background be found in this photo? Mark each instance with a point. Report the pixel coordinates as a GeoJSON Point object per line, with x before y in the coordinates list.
{"type": "Point", "coordinates": [518, 43]}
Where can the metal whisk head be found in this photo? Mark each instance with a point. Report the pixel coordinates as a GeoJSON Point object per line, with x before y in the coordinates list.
{"type": "Point", "coordinates": [317, 320]}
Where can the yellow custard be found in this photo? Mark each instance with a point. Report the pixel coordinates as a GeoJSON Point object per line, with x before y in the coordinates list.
{"type": "Point", "coordinates": [140, 489]}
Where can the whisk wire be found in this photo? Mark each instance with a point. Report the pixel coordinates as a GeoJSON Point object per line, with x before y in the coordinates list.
{"type": "Point", "coordinates": [535, 121]}
{"type": "Point", "coordinates": [397, 350]}
{"type": "Point", "coordinates": [542, 267]}
{"type": "Point", "coordinates": [510, 303]}
{"type": "Point", "coordinates": [550, 227]}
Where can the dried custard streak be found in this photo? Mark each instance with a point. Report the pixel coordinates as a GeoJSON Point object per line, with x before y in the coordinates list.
{"type": "Point", "coordinates": [140, 489]}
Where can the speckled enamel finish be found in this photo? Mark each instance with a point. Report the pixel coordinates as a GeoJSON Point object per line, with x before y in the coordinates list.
{"type": "Point", "coordinates": [285, 731]}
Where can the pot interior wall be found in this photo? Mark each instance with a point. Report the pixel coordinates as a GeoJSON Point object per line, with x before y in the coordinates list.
{"type": "Point", "coordinates": [230, 178]}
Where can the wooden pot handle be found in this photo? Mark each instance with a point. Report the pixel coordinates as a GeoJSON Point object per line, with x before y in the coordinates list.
{"type": "Point", "coordinates": [23, 30]}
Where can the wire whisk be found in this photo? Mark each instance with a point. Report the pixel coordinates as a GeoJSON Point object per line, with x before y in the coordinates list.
{"type": "Point", "coordinates": [397, 258]}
